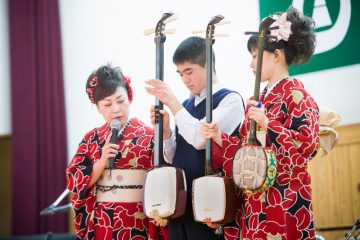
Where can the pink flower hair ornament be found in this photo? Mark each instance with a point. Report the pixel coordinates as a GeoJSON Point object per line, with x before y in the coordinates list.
{"type": "Point", "coordinates": [281, 28]}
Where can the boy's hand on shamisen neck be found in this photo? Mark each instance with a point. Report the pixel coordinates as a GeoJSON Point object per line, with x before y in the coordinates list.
{"type": "Point", "coordinates": [163, 92]}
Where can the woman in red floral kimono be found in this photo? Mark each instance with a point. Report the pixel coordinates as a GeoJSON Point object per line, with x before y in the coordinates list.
{"type": "Point", "coordinates": [108, 203]}
{"type": "Point", "coordinates": [290, 118]}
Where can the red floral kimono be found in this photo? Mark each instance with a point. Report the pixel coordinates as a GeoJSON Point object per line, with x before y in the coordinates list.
{"type": "Point", "coordinates": [285, 210]}
{"type": "Point", "coordinates": [109, 220]}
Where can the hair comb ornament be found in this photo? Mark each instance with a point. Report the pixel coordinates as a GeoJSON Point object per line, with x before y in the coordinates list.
{"type": "Point", "coordinates": [91, 89]}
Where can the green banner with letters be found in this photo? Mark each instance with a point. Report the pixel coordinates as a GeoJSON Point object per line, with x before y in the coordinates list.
{"type": "Point", "coordinates": [337, 30]}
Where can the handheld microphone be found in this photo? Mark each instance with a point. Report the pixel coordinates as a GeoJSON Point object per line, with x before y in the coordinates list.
{"type": "Point", "coordinates": [114, 125]}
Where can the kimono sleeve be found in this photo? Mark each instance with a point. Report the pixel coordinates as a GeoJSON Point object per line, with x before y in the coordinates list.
{"type": "Point", "coordinates": [230, 144]}
{"type": "Point", "coordinates": [222, 156]}
{"type": "Point", "coordinates": [296, 139]}
{"type": "Point", "coordinates": [78, 172]}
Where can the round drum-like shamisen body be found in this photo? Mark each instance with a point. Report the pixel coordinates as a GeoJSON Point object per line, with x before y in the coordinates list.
{"type": "Point", "coordinates": [254, 168]}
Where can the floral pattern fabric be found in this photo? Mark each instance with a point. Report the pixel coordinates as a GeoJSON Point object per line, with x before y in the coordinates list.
{"type": "Point", "coordinates": [285, 210]}
{"type": "Point", "coordinates": [108, 220]}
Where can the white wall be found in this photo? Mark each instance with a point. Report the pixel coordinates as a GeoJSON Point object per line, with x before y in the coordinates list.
{"type": "Point", "coordinates": [95, 32]}
{"type": "Point", "coordinates": [337, 89]}
{"type": "Point", "coordinates": [5, 125]}
{"type": "Point", "coordinates": [112, 31]}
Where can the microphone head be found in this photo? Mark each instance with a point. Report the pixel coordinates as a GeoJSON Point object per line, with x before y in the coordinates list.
{"type": "Point", "coordinates": [115, 124]}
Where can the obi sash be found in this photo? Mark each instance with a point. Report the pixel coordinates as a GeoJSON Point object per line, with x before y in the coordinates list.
{"type": "Point", "coordinates": [123, 185]}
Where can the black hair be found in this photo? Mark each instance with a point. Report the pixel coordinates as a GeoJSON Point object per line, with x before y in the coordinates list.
{"type": "Point", "coordinates": [193, 50]}
{"type": "Point", "coordinates": [108, 80]}
{"type": "Point", "coordinates": [301, 43]}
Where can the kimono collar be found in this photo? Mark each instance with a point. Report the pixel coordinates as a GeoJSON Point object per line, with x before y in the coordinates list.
{"type": "Point", "coordinates": [270, 88]}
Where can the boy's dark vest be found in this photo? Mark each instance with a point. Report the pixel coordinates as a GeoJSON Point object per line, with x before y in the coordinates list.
{"type": "Point", "coordinates": [187, 157]}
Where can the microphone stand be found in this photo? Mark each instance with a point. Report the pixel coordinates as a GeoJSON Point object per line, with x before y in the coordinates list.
{"type": "Point", "coordinates": [356, 227]}
{"type": "Point", "coordinates": [53, 208]}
